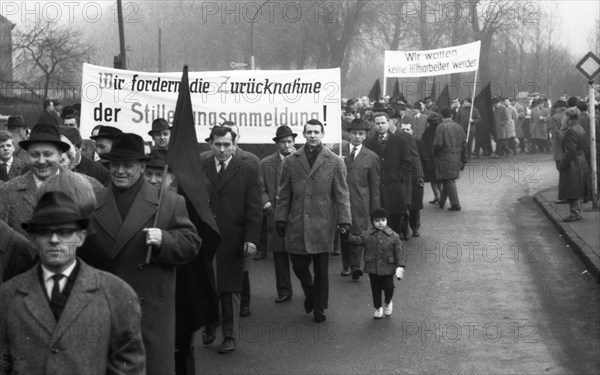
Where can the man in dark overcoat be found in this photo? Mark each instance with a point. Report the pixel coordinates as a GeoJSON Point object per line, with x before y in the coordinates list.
{"type": "Point", "coordinates": [312, 199]}
{"type": "Point", "coordinates": [124, 222]}
{"type": "Point", "coordinates": [450, 150]}
{"type": "Point", "coordinates": [271, 172]}
{"type": "Point", "coordinates": [396, 169]}
{"type": "Point", "coordinates": [235, 200]}
{"type": "Point", "coordinates": [363, 169]}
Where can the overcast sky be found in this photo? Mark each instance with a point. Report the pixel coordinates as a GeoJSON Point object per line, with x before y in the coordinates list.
{"type": "Point", "coordinates": [575, 19]}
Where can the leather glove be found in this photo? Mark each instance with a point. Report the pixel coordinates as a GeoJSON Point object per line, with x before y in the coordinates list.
{"type": "Point", "coordinates": [420, 181]}
{"type": "Point", "coordinates": [280, 228]}
{"type": "Point", "coordinates": [399, 273]}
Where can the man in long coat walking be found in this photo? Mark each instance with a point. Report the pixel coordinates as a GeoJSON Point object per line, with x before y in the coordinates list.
{"type": "Point", "coordinates": [312, 199]}
{"type": "Point", "coordinates": [124, 225]}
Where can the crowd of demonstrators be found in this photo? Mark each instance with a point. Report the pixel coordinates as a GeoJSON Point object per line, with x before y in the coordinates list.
{"type": "Point", "coordinates": [299, 200]}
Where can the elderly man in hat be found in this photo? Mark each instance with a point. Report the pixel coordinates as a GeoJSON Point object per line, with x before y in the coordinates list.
{"type": "Point", "coordinates": [46, 313]}
{"type": "Point", "coordinates": [130, 225]}
{"type": "Point", "coordinates": [74, 159]}
{"type": "Point", "coordinates": [311, 201]}
{"type": "Point", "coordinates": [271, 172]}
{"type": "Point", "coordinates": [363, 168]}
{"type": "Point", "coordinates": [17, 197]}
{"type": "Point", "coordinates": [10, 166]}
{"type": "Point", "coordinates": [160, 133]}
{"type": "Point", "coordinates": [19, 130]}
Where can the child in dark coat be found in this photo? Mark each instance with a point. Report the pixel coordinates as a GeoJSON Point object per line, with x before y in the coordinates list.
{"type": "Point", "coordinates": [384, 258]}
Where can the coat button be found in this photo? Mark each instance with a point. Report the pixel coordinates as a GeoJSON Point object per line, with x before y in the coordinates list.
{"type": "Point", "coordinates": [141, 300]}
{"type": "Point", "coordinates": [55, 350]}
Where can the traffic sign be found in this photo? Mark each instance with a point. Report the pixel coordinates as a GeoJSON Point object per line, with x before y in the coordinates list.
{"type": "Point", "coordinates": [589, 66]}
{"type": "Point", "coordinates": [234, 65]}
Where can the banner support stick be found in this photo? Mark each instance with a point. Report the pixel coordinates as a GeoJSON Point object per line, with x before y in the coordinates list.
{"type": "Point", "coordinates": [472, 106]}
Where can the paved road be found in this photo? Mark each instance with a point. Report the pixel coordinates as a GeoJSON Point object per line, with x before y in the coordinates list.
{"type": "Point", "coordinates": [491, 289]}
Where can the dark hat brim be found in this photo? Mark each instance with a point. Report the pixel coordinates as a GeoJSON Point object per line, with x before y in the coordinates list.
{"type": "Point", "coordinates": [125, 155]}
{"type": "Point", "coordinates": [62, 146]}
{"type": "Point", "coordinates": [157, 130]}
{"type": "Point", "coordinates": [294, 135]}
{"type": "Point", "coordinates": [32, 225]}
{"type": "Point", "coordinates": [107, 136]}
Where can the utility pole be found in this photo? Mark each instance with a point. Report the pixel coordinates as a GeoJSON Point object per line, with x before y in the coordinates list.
{"type": "Point", "coordinates": [122, 58]}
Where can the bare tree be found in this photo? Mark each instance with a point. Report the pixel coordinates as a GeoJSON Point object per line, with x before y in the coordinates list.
{"type": "Point", "coordinates": [50, 53]}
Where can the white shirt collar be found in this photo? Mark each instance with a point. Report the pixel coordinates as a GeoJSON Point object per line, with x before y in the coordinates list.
{"type": "Point", "coordinates": [226, 162]}
{"type": "Point", "coordinates": [358, 148]}
{"type": "Point", "coordinates": [49, 282]}
{"type": "Point", "coordinates": [9, 162]}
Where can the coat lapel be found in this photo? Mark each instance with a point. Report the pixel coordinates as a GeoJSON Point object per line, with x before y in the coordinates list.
{"type": "Point", "coordinates": [233, 168]}
{"type": "Point", "coordinates": [79, 298]}
{"type": "Point", "coordinates": [210, 170]}
{"type": "Point", "coordinates": [301, 155]}
{"type": "Point", "coordinates": [107, 214]}
{"type": "Point", "coordinates": [36, 301]}
{"type": "Point", "coordinates": [28, 185]}
{"type": "Point", "coordinates": [143, 208]}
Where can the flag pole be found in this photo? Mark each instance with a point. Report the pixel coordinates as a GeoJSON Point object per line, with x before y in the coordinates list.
{"type": "Point", "coordinates": [163, 185]}
{"type": "Point", "coordinates": [472, 106]}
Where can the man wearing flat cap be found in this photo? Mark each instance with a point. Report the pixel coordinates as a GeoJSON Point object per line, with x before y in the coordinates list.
{"type": "Point", "coordinates": [160, 133]}
{"type": "Point", "coordinates": [46, 313]}
{"type": "Point", "coordinates": [271, 171]}
{"type": "Point", "coordinates": [363, 167]}
{"type": "Point", "coordinates": [128, 223]}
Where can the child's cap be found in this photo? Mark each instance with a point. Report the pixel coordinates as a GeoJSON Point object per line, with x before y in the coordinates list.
{"type": "Point", "coordinates": [378, 213]}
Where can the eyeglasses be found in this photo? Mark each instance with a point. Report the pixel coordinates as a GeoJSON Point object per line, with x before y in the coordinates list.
{"type": "Point", "coordinates": [62, 233]}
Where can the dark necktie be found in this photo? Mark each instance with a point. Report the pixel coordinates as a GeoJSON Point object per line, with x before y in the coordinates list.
{"type": "Point", "coordinates": [3, 172]}
{"type": "Point", "coordinates": [221, 172]}
{"type": "Point", "coordinates": [55, 295]}
{"type": "Point", "coordinates": [353, 153]}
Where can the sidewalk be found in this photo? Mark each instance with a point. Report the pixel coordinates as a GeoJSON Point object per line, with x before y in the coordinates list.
{"type": "Point", "coordinates": [582, 236]}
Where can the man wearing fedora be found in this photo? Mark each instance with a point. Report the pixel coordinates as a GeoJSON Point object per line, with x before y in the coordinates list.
{"type": "Point", "coordinates": [160, 133]}
{"type": "Point", "coordinates": [235, 200]}
{"type": "Point", "coordinates": [128, 223]}
{"type": "Point", "coordinates": [103, 141]}
{"type": "Point", "coordinates": [63, 316]}
{"type": "Point", "coordinates": [271, 171]}
{"type": "Point", "coordinates": [363, 167]}
{"type": "Point", "coordinates": [10, 166]}
{"type": "Point", "coordinates": [49, 114]}
{"type": "Point", "coordinates": [17, 196]}
{"type": "Point", "coordinates": [154, 172]}
{"type": "Point", "coordinates": [17, 127]}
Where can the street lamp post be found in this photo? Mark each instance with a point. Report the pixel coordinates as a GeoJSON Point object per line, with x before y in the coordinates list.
{"type": "Point", "coordinates": [252, 34]}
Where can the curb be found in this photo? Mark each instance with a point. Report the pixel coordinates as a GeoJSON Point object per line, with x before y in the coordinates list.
{"type": "Point", "coordinates": [581, 248]}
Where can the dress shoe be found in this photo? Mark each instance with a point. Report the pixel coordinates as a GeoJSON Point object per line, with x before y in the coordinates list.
{"type": "Point", "coordinates": [356, 273]}
{"type": "Point", "coordinates": [454, 208]}
{"type": "Point", "coordinates": [283, 299]}
{"type": "Point", "coordinates": [209, 334]}
{"type": "Point", "coordinates": [345, 272]}
{"type": "Point", "coordinates": [434, 201]}
{"type": "Point", "coordinates": [572, 218]}
{"type": "Point", "coordinates": [319, 316]}
{"type": "Point", "coordinates": [227, 346]}
{"type": "Point", "coordinates": [441, 205]}
{"type": "Point", "coordinates": [244, 311]}
{"type": "Point", "coordinates": [260, 255]}
{"type": "Point", "coordinates": [416, 233]}
{"type": "Point", "coordinates": [308, 305]}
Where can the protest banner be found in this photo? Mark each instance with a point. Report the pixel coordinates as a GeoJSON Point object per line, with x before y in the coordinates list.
{"type": "Point", "coordinates": [258, 101]}
{"type": "Point", "coordinates": [456, 59]}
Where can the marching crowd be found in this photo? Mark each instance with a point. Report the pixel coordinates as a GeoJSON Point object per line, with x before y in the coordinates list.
{"type": "Point", "coordinates": [102, 271]}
